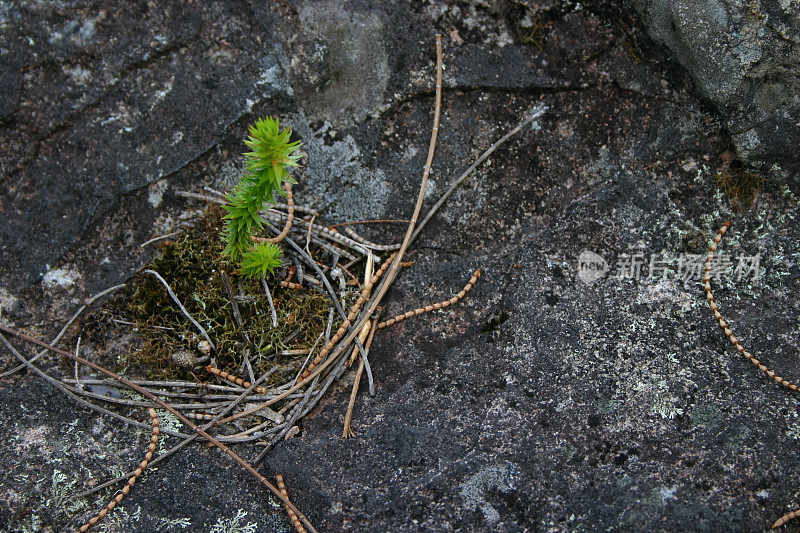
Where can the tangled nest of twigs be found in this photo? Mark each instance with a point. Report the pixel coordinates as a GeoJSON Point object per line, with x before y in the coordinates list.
{"type": "Point", "coordinates": [263, 332]}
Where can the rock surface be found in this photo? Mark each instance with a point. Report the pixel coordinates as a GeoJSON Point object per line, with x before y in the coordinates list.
{"type": "Point", "coordinates": [745, 59]}
{"type": "Point", "coordinates": [541, 401]}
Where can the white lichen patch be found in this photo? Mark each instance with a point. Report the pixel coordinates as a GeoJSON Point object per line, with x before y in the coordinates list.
{"type": "Point", "coordinates": [665, 407]}
{"type": "Point", "coordinates": [667, 292]}
{"type": "Point", "coordinates": [501, 477]}
{"type": "Point", "coordinates": [120, 520]}
{"type": "Point", "coordinates": [161, 93]}
{"type": "Point", "coordinates": [122, 115]}
{"type": "Point", "coordinates": [337, 176]}
{"type": "Point", "coordinates": [78, 32]}
{"type": "Point", "coordinates": [61, 489]}
{"type": "Point", "coordinates": [234, 525]}
{"type": "Point", "coordinates": [155, 192]}
{"type": "Point", "coordinates": [33, 437]}
{"type": "Point", "coordinates": [168, 423]}
{"type": "Point", "coordinates": [78, 73]}
{"type": "Point", "coordinates": [793, 425]}
{"type": "Point", "coordinates": [274, 77]}
{"type": "Point", "coordinates": [60, 277]}
{"type": "Point", "coordinates": [665, 494]}
{"type": "Point", "coordinates": [8, 302]}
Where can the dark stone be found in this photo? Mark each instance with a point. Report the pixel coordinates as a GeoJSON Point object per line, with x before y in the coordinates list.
{"type": "Point", "coordinates": [9, 89]}
{"type": "Point", "coordinates": [540, 401]}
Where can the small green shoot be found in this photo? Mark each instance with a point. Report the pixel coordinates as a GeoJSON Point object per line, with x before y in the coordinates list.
{"type": "Point", "coordinates": [268, 165]}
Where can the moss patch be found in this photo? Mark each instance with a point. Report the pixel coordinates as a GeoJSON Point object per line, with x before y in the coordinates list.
{"type": "Point", "coordinates": [193, 265]}
{"type": "Point", "coordinates": [739, 182]}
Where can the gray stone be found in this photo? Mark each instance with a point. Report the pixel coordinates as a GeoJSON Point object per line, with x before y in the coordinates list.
{"type": "Point", "coordinates": [337, 61]}
{"type": "Point", "coordinates": [538, 402]}
{"type": "Point", "coordinates": [745, 59]}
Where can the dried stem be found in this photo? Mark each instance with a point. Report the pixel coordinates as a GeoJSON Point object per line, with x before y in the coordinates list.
{"type": "Point", "coordinates": [348, 417]}
{"type": "Point", "coordinates": [183, 309]}
{"type": "Point", "coordinates": [785, 518]}
{"type": "Point", "coordinates": [236, 315]}
{"type": "Point", "coordinates": [272, 311]}
{"type": "Point", "coordinates": [472, 167]}
{"type": "Point", "coordinates": [369, 244]}
{"type": "Point", "coordinates": [362, 297]}
{"type": "Point", "coordinates": [160, 238]}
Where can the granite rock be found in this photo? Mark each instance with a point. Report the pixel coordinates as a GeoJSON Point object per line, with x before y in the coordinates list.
{"type": "Point", "coordinates": [539, 402]}
{"type": "Point", "coordinates": [744, 58]}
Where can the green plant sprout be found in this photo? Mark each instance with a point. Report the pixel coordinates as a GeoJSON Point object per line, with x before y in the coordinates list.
{"type": "Point", "coordinates": [268, 165]}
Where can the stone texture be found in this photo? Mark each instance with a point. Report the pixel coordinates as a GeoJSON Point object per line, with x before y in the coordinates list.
{"type": "Point", "coordinates": [540, 402]}
{"type": "Point", "coordinates": [745, 59]}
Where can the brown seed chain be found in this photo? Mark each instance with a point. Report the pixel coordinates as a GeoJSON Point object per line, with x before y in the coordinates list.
{"type": "Point", "coordinates": [724, 325]}
{"type": "Point", "coordinates": [151, 448]}
{"type": "Point", "coordinates": [234, 379]}
{"type": "Point", "coordinates": [289, 274]}
{"type": "Point", "coordinates": [362, 297]}
{"type": "Point", "coordinates": [439, 305]}
{"type": "Point", "coordinates": [291, 285]}
{"type": "Point", "coordinates": [785, 518]}
{"type": "Point", "coordinates": [292, 516]}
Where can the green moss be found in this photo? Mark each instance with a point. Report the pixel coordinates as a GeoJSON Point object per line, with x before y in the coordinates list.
{"type": "Point", "coordinates": [192, 266]}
